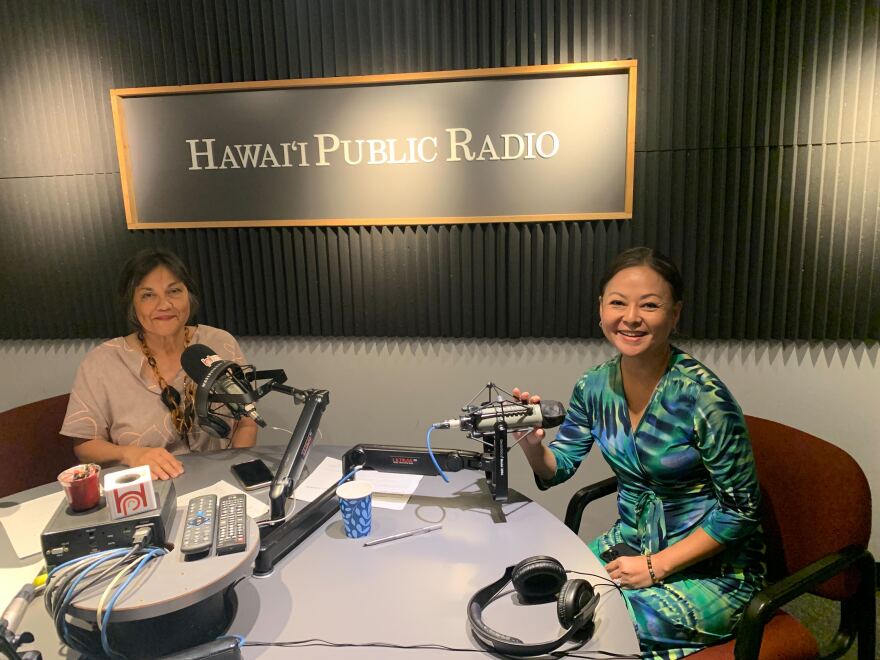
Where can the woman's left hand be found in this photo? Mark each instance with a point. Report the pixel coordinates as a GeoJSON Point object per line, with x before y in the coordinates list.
{"type": "Point", "coordinates": [630, 572]}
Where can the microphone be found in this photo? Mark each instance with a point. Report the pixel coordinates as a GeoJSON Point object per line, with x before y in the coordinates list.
{"type": "Point", "coordinates": [14, 612]}
{"type": "Point", "coordinates": [212, 374]}
{"type": "Point", "coordinates": [546, 415]}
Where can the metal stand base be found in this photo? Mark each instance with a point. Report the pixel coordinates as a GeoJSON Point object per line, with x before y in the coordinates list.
{"type": "Point", "coordinates": [277, 541]}
{"type": "Point", "coordinates": [168, 633]}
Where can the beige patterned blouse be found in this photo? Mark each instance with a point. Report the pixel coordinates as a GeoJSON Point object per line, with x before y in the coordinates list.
{"type": "Point", "coordinates": [115, 397]}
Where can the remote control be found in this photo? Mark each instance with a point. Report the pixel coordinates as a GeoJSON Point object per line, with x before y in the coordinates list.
{"type": "Point", "coordinates": [198, 533]}
{"type": "Point", "coordinates": [232, 524]}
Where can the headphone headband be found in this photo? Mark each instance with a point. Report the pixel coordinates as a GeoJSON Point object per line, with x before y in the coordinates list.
{"type": "Point", "coordinates": [204, 397]}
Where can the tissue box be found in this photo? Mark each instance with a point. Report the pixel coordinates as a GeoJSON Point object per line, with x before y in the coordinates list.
{"type": "Point", "coordinates": [129, 492]}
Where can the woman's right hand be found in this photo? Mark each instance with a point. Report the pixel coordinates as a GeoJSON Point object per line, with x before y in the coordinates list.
{"type": "Point", "coordinates": [162, 463]}
{"type": "Point", "coordinates": [534, 437]}
{"type": "Point", "coordinates": [540, 458]}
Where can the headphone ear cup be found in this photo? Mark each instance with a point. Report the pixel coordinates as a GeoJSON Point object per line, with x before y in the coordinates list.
{"type": "Point", "coordinates": [214, 424]}
{"type": "Point", "coordinates": [538, 579]}
{"type": "Point", "coordinates": [573, 597]}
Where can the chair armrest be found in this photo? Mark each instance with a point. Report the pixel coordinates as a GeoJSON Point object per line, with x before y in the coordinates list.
{"type": "Point", "coordinates": [766, 602]}
{"type": "Point", "coordinates": [583, 497]}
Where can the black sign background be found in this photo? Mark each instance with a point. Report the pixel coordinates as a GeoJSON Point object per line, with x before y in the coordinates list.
{"type": "Point", "coordinates": [586, 177]}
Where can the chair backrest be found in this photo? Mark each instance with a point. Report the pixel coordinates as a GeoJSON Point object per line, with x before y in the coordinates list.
{"type": "Point", "coordinates": [32, 451]}
{"type": "Point", "coordinates": [816, 501]}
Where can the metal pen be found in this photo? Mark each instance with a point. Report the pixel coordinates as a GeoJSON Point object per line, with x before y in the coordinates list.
{"type": "Point", "coordinates": [403, 535]}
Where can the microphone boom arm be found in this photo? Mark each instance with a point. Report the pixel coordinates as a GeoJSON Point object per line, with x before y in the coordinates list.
{"type": "Point", "coordinates": [416, 460]}
{"type": "Point", "coordinates": [279, 538]}
{"type": "Point", "coordinates": [297, 451]}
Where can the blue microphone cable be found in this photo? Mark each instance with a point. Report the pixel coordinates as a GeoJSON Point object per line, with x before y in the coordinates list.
{"type": "Point", "coordinates": [151, 553]}
{"type": "Point", "coordinates": [348, 476]}
{"type": "Point", "coordinates": [67, 581]}
{"type": "Point", "coordinates": [431, 454]}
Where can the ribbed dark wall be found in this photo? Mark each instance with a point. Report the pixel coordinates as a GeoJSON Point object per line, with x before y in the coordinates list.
{"type": "Point", "coordinates": [757, 167]}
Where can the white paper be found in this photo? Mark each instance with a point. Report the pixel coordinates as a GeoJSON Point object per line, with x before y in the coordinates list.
{"type": "Point", "coordinates": [390, 501]}
{"type": "Point", "coordinates": [390, 491]}
{"type": "Point", "coordinates": [388, 483]}
{"type": "Point", "coordinates": [255, 508]}
{"type": "Point", "coordinates": [13, 579]}
{"type": "Point", "coordinates": [26, 521]}
{"type": "Point", "coordinates": [319, 480]}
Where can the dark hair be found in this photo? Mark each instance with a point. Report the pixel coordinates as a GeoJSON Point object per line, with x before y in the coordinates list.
{"type": "Point", "coordinates": [644, 256]}
{"type": "Point", "coordinates": [142, 264]}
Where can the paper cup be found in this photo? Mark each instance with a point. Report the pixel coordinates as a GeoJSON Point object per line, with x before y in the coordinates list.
{"type": "Point", "coordinates": [81, 486]}
{"type": "Point", "coordinates": [356, 505]}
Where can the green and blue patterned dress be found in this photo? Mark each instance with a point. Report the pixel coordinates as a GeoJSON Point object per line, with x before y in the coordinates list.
{"type": "Point", "coordinates": [687, 465]}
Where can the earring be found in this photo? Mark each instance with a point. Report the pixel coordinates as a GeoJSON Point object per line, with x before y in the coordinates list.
{"type": "Point", "coordinates": [600, 324]}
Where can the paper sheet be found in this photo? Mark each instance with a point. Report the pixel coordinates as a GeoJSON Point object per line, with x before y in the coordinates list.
{"type": "Point", "coordinates": [390, 491]}
{"type": "Point", "coordinates": [319, 480]}
{"type": "Point", "coordinates": [255, 508]}
{"type": "Point", "coordinates": [26, 521]}
{"type": "Point", "coordinates": [13, 579]}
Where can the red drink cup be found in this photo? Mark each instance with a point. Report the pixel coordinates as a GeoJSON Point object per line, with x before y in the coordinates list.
{"type": "Point", "coordinates": [80, 484]}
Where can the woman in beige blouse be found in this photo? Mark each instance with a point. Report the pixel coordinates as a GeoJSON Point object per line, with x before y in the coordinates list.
{"type": "Point", "coordinates": [131, 402]}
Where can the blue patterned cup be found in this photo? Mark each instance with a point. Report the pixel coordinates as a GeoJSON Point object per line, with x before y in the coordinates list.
{"type": "Point", "coordinates": [356, 505]}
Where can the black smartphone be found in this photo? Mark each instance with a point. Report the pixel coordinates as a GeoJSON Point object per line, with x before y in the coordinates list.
{"type": "Point", "coordinates": [253, 474]}
{"type": "Point", "coordinates": [619, 550]}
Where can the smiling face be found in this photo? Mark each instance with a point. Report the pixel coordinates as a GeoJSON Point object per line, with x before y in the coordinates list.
{"type": "Point", "coordinates": [638, 312]}
{"type": "Point", "coordinates": [161, 303]}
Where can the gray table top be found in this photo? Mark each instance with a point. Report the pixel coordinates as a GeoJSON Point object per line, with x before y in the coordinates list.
{"type": "Point", "coordinates": [410, 591]}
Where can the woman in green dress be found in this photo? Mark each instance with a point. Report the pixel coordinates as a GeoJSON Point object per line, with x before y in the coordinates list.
{"type": "Point", "coordinates": [688, 496]}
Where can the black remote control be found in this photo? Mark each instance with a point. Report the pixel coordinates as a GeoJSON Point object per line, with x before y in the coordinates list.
{"type": "Point", "coordinates": [232, 524]}
{"type": "Point", "coordinates": [201, 518]}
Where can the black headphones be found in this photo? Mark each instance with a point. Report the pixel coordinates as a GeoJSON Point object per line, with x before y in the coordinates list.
{"type": "Point", "coordinates": [212, 423]}
{"type": "Point", "coordinates": [215, 425]}
{"type": "Point", "coordinates": [537, 580]}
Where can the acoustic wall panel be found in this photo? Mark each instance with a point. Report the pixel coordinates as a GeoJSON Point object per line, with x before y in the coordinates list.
{"type": "Point", "coordinates": [757, 167]}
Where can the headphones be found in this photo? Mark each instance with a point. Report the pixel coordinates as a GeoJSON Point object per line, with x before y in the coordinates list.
{"type": "Point", "coordinates": [537, 580]}
{"type": "Point", "coordinates": [214, 424]}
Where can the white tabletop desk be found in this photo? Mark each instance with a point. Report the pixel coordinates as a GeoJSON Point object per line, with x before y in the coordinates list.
{"type": "Point", "coordinates": [410, 591]}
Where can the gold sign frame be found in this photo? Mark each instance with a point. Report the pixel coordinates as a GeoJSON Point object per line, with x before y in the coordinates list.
{"type": "Point", "coordinates": [117, 97]}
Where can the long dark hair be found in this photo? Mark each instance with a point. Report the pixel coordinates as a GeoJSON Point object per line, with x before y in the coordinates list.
{"type": "Point", "coordinates": [142, 264]}
{"type": "Point", "coordinates": [645, 256]}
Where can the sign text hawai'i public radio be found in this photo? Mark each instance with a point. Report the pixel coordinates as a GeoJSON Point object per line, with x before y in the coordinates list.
{"type": "Point", "coordinates": [325, 149]}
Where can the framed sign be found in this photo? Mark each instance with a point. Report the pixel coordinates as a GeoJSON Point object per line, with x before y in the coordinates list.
{"type": "Point", "coordinates": [539, 143]}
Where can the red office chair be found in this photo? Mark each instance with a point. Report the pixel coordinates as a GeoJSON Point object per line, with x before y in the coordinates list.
{"type": "Point", "coordinates": [817, 521]}
{"type": "Point", "coordinates": [32, 451]}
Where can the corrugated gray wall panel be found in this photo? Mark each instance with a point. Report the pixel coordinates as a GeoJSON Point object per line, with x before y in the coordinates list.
{"type": "Point", "coordinates": [757, 167]}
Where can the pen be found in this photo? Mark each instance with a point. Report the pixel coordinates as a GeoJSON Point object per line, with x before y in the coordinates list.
{"type": "Point", "coordinates": [403, 535]}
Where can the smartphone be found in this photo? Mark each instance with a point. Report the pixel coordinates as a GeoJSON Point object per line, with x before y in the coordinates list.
{"type": "Point", "coordinates": [619, 550]}
{"type": "Point", "coordinates": [253, 474]}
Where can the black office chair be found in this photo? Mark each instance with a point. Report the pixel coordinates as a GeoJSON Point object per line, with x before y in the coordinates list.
{"type": "Point", "coordinates": [817, 521]}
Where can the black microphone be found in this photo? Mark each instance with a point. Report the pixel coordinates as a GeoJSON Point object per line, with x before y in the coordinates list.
{"type": "Point", "coordinates": [545, 415]}
{"type": "Point", "coordinates": [211, 373]}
